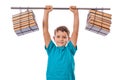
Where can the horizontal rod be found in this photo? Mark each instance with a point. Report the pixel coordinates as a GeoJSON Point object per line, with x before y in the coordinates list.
{"type": "Point", "coordinates": [59, 8]}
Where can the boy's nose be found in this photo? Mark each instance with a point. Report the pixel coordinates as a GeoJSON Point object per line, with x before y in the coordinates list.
{"type": "Point", "coordinates": [61, 38]}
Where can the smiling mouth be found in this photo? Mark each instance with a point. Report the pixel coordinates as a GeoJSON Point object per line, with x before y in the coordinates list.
{"type": "Point", "coordinates": [60, 42]}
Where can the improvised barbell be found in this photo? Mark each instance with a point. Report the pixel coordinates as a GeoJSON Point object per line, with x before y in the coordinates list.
{"type": "Point", "coordinates": [97, 21]}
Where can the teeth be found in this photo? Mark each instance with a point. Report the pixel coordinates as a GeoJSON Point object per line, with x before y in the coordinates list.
{"type": "Point", "coordinates": [98, 22]}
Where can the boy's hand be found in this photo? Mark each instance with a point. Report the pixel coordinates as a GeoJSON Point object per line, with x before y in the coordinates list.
{"type": "Point", "coordinates": [48, 8]}
{"type": "Point", "coordinates": [73, 9]}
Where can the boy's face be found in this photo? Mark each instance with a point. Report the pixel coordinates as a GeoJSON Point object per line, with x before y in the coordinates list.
{"type": "Point", "coordinates": [61, 38]}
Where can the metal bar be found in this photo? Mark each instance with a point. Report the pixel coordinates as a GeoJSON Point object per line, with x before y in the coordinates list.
{"type": "Point", "coordinates": [59, 8]}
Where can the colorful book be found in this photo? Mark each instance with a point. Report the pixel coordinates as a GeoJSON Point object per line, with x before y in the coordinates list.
{"type": "Point", "coordinates": [24, 22]}
{"type": "Point", "coordinates": [98, 22]}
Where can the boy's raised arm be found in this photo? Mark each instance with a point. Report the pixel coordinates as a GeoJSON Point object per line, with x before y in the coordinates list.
{"type": "Point", "coordinates": [74, 35]}
{"type": "Point", "coordinates": [46, 33]}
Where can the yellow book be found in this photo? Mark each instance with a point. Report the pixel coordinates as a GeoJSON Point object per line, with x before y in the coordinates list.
{"type": "Point", "coordinates": [100, 13]}
{"type": "Point", "coordinates": [99, 16]}
{"type": "Point", "coordinates": [22, 16]}
{"type": "Point", "coordinates": [99, 20]}
{"type": "Point", "coordinates": [99, 24]}
{"type": "Point", "coordinates": [24, 23]}
{"type": "Point", "coordinates": [22, 27]}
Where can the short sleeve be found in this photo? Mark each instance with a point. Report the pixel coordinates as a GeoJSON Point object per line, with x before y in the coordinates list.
{"type": "Point", "coordinates": [72, 48]}
{"type": "Point", "coordinates": [50, 47]}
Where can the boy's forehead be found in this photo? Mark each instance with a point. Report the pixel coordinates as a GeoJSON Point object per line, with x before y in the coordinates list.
{"type": "Point", "coordinates": [61, 32]}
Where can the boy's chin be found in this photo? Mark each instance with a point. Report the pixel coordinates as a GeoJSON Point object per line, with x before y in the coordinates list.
{"type": "Point", "coordinates": [60, 45]}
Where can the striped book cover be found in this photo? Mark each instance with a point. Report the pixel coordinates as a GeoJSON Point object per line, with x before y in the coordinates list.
{"type": "Point", "coordinates": [98, 22]}
{"type": "Point", "coordinates": [24, 22]}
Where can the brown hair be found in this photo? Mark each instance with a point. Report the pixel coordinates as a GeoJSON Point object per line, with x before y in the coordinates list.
{"type": "Point", "coordinates": [62, 28]}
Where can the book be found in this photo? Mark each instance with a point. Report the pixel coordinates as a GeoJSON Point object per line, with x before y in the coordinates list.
{"type": "Point", "coordinates": [99, 17]}
{"type": "Point", "coordinates": [23, 19]}
{"type": "Point", "coordinates": [22, 16]}
{"type": "Point", "coordinates": [100, 13]}
{"type": "Point", "coordinates": [22, 27]}
{"type": "Point", "coordinates": [29, 22]}
{"type": "Point", "coordinates": [22, 13]}
{"type": "Point", "coordinates": [26, 30]}
{"type": "Point", "coordinates": [97, 29]}
{"type": "Point", "coordinates": [24, 22]}
{"type": "Point", "coordinates": [99, 24]}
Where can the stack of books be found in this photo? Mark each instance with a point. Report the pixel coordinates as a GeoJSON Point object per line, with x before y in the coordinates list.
{"type": "Point", "coordinates": [24, 22]}
{"type": "Point", "coordinates": [98, 22]}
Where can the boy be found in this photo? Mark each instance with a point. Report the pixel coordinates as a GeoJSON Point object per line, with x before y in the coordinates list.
{"type": "Point", "coordinates": [61, 57]}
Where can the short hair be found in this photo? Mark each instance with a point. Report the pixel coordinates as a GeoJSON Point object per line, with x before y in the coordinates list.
{"type": "Point", "coordinates": [62, 28]}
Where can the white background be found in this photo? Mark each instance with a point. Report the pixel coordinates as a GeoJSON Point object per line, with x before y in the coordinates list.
{"type": "Point", "coordinates": [24, 57]}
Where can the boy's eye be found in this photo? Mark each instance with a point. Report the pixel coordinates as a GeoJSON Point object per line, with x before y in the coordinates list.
{"type": "Point", "coordinates": [58, 36]}
{"type": "Point", "coordinates": [61, 37]}
{"type": "Point", "coordinates": [64, 37]}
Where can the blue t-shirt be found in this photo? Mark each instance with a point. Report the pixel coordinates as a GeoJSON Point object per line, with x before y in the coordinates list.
{"type": "Point", "coordinates": [60, 62]}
